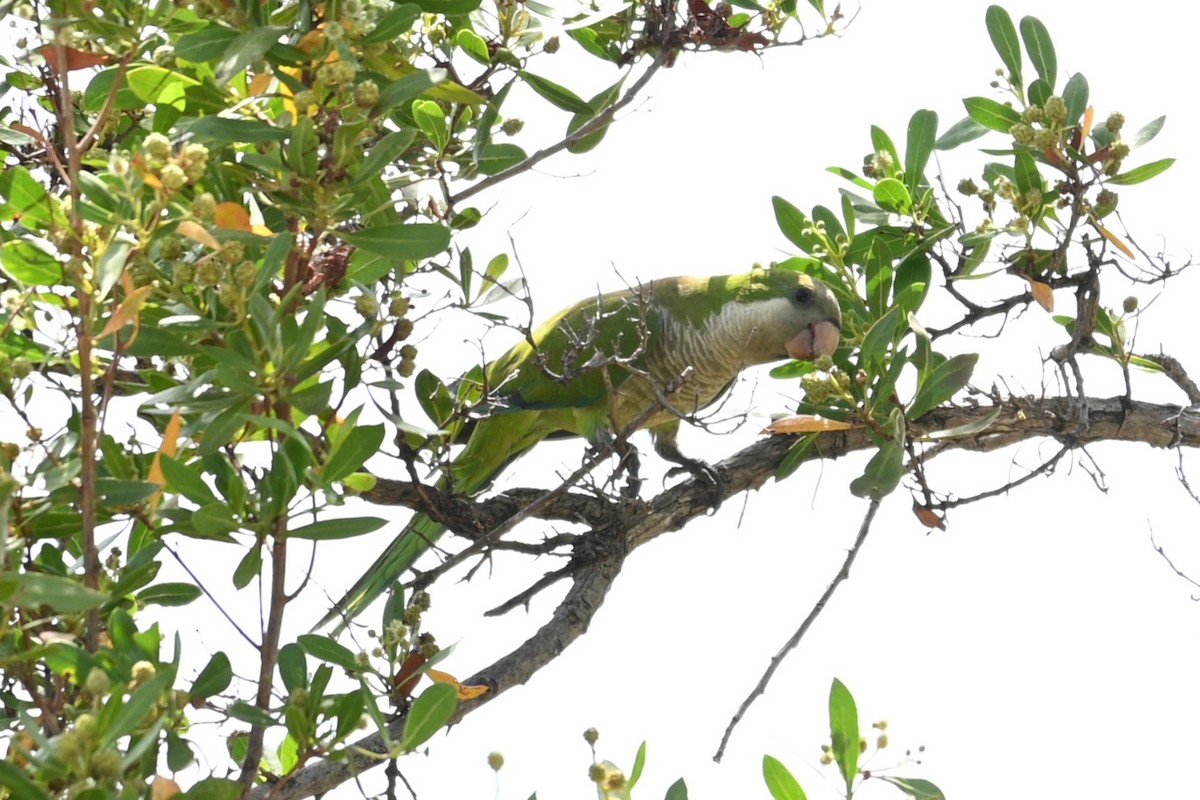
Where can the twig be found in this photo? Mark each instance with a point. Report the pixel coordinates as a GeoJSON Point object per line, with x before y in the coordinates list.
{"type": "Point", "coordinates": [842, 574]}
{"type": "Point", "coordinates": [596, 123]}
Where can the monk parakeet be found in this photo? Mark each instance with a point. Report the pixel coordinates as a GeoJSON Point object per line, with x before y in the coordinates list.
{"type": "Point", "coordinates": [596, 368]}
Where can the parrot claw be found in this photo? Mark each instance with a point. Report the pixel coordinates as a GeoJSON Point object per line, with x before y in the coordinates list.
{"type": "Point", "coordinates": [705, 473]}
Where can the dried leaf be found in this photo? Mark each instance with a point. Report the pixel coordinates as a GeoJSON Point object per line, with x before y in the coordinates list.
{"type": "Point", "coordinates": [1089, 117]}
{"type": "Point", "coordinates": [259, 85]}
{"type": "Point", "coordinates": [197, 233]}
{"type": "Point", "coordinates": [76, 59]}
{"type": "Point", "coordinates": [408, 675]}
{"type": "Point", "coordinates": [1042, 293]}
{"type": "Point", "coordinates": [128, 310]}
{"type": "Point", "coordinates": [163, 788]}
{"type": "Point", "coordinates": [929, 518]}
{"type": "Point", "coordinates": [806, 423]}
{"type": "Point", "coordinates": [464, 692]}
{"type": "Point", "coordinates": [168, 448]}
{"type": "Point", "coordinates": [232, 217]}
{"type": "Point", "coordinates": [1112, 237]}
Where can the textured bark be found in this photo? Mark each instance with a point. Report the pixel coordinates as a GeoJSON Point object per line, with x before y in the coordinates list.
{"type": "Point", "coordinates": [615, 529]}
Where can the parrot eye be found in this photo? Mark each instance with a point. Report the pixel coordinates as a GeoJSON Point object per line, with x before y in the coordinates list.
{"type": "Point", "coordinates": [802, 295]}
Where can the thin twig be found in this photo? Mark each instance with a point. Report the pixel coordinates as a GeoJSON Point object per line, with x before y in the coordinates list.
{"type": "Point", "coordinates": [842, 574]}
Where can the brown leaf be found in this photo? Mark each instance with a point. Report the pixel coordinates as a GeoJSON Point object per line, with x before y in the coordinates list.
{"type": "Point", "coordinates": [929, 518]}
{"type": "Point", "coordinates": [410, 672]}
{"type": "Point", "coordinates": [806, 423]}
{"type": "Point", "coordinates": [76, 59]}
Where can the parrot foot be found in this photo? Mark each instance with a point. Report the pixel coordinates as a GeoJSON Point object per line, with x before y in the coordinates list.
{"type": "Point", "coordinates": [705, 473]}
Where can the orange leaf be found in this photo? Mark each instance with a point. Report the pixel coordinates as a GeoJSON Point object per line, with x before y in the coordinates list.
{"type": "Point", "coordinates": [313, 40]}
{"type": "Point", "coordinates": [1042, 293]}
{"type": "Point", "coordinates": [259, 85]}
{"type": "Point", "coordinates": [163, 788]}
{"type": "Point", "coordinates": [806, 423]}
{"type": "Point", "coordinates": [232, 217]}
{"type": "Point", "coordinates": [169, 447]}
{"type": "Point", "coordinates": [197, 233]}
{"type": "Point", "coordinates": [1089, 116]}
{"type": "Point", "coordinates": [929, 518]}
{"type": "Point", "coordinates": [464, 692]}
{"type": "Point", "coordinates": [1112, 237]}
{"type": "Point", "coordinates": [128, 310]}
{"type": "Point", "coordinates": [76, 59]}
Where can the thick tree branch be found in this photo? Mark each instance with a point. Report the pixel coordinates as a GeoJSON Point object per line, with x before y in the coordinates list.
{"type": "Point", "coordinates": [615, 532]}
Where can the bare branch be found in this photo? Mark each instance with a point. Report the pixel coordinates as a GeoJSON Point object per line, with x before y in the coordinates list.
{"type": "Point", "coordinates": [842, 574]}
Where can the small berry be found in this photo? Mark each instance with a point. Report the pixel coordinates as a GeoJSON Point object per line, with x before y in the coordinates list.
{"type": "Point", "coordinates": [495, 761]}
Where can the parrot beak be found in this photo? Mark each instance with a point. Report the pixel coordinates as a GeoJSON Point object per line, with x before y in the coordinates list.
{"type": "Point", "coordinates": [818, 339]}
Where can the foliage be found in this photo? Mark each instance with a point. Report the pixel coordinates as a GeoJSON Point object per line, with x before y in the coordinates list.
{"type": "Point", "coordinates": [213, 214]}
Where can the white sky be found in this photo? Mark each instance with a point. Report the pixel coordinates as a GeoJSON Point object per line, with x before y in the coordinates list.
{"type": "Point", "coordinates": [1038, 647]}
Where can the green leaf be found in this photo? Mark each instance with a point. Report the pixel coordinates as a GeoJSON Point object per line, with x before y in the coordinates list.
{"type": "Point", "coordinates": [160, 86]}
{"type": "Point", "coordinates": [293, 667]}
{"type": "Point", "coordinates": [206, 44]}
{"type": "Point", "coordinates": [558, 96]}
{"type": "Point", "coordinates": [213, 789]}
{"type": "Point", "coordinates": [221, 129]}
{"type": "Point", "coordinates": [879, 338]}
{"type": "Point", "coordinates": [793, 222]}
{"type": "Point", "coordinates": [780, 782]}
{"type": "Point", "coordinates": [991, 114]}
{"type": "Point", "coordinates": [880, 478]}
{"type": "Point", "coordinates": [429, 713]}
{"type": "Point", "coordinates": [135, 709]}
{"type": "Point", "coordinates": [112, 263]}
{"type": "Point", "coordinates": [431, 119]}
{"type": "Point", "coordinates": [186, 480]}
{"type": "Point", "coordinates": [1075, 95]}
{"type": "Point", "coordinates": [67, 595]}
{"type": "Point", "coordinates": [942, 383]}
{"type": "Point", "coordinates": [495, 158]}
{"type": "Point", "coordinates": [24, 196]}
{"type": "Point", "coordinates": [1004, 38]}
{"type": "Point", "coordinates": [359, 445]}
{"type": "Point", "coordinates": [473, 45]}
{"type": "Point", "coordinates": [1143, 173]}
{"type": "Point", "coordinates": [882, 143]}
{"type": "Point", "coordinates": [1028, 178]}
{"type": "Point", "coordinates": [1039, 92]}
{"type": "Point", "coordinates": [450, 8]}
{"type": "Point", "coordinates": [434, 397]}
{"type": "Point", "coordinates": [843, 727]}
{"type": "Point", "coordinates": [1148, 132]}
{"type": "Point", "coordinates": [598, 104]}
{"type": "Point", "coordinates": [678, 789]}
{"type": "Point", "coordinates": [402, 241]}
{"type": "Point", "coordinates": [214, 678]}
{"type": "Point", "coordinates": [114, 492]}
{"type": "Point", "coordinates": [325, 649]}
{"type": "Point", "coordinates": [1040, 49]}
{"type": "Point", "coordinates": [922, 134]}
{"type": "Point", "coordinates": [639, 763]}
{"type": "Point", "coordinates": [392, 24]}
{"type": "Point", "coordinates": [26, 263]}
{"type": "Point", "coordinates": [170, 594]}
{"type": "Point", "coordinates": [17, 783]}
{"type": "Point", "coordinates": [328, 529]}
{"type": "Point", "coordinates": [406, 88]}
{"type": "Point", "coordinates": [245, 49]}
{"type": "Point", "coordinates": [915, 788]}
{"type": "Point", "coordinates": [892, 195]}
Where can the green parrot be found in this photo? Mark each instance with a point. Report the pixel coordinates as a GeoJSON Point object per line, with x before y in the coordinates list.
{"type": "Point", "coordinates": [605, 364]}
